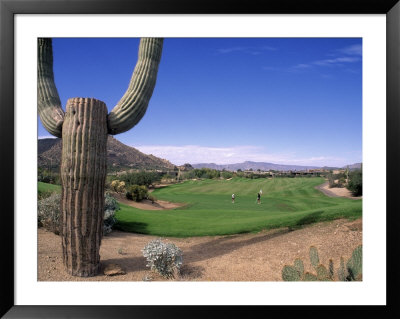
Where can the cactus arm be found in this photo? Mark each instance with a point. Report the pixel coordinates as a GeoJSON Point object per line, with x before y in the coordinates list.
{"type": "Point", "coordinates": [299, 266]}
{"type": "Point", "coordinates": [290, 273]}
{"type": "Point", "coordinates": [49, 104]}
{"type": "Point", "coordinates": [132, 106]}
{"type": "Point", "coordinates": [354, 264]}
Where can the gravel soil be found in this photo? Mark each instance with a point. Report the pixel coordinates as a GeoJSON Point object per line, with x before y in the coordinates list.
{"type": "Point", "coordinates": [244, 257]}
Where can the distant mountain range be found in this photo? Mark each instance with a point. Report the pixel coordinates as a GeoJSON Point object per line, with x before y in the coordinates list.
{"type": "Point", "coordinates": [266, 166]}
{"type": "Point", "coordinates": [119, 156]}
{"type": "Point", "coordinates": [123, 157]}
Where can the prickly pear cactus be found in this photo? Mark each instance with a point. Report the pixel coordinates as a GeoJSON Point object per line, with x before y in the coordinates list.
{"type": "Point", "coordinates": [354, 265]}
{"type": "Point", "coordinates": [299, 266]}
{"type": "Point", "coordinates": [342, 271]}
{"type": "Point", "coordinates": [290, 273]}
{"type": "Point", "coordinates": [314, 257]}
{"type": "Point", "coordinates": [352, 271]}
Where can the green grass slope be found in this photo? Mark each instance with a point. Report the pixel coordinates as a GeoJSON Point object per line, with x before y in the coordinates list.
{"type": "Point", "coordinates": [45, 189]}
{"type": "Point", "coordinates": [285, 202]}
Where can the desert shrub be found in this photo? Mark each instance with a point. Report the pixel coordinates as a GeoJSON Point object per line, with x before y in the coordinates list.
{"type": "Point", "coordinates": [166, 259]}
{"type": "Point", "coordinates": [169, 176]}
{"type": "Point", "coordinates": [207, 173]}
{"type": "Point", "coordinates": [121, 187]}
{"type": "Point", "coordinates": [117, 186]}
{"type": "Point", "coordinates": [188, 175]}
{"type": "Point", "coordinates": [114, 185]}
{"type": "Point", "coordinates": [226, 174]}
{"type": "Point", "coordinates": [110, 207]}
{"type": "Point", "coordinates": [49, 213]}
{"type": "Point", "coordinates": [44, 194]}
{"type": "Point", "coordinates": [342, 181]}
{"type": "Point", "coordinates": [137, 193]}
{"type": "Point", "coordinates": [47, 176]}
{"type": "Point", "coordinates": [142, 178]}
{"type": "Point", "coordinates": [331, 180]}
{"type": "Point", "coordinates": [355, 182]}
{"type": "Point", "coordinates": [151, 198]}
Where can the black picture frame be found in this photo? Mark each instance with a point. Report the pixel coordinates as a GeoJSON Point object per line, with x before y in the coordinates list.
{"type": "Point", "coordinates": [8, 10]}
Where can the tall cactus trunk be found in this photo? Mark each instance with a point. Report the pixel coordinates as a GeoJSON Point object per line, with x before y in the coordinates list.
{"type": "Point", "coordinates": [84, 129]}
{"type": "Point", "coordinates": [83, 174]}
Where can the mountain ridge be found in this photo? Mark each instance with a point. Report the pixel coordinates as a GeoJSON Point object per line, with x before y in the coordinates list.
{"type": "Point", "coordinates": [119, 156]}
{"type": "Point", "coordinates": [265, 166]}
{"type": "Point", "coordinates": [123, 157]}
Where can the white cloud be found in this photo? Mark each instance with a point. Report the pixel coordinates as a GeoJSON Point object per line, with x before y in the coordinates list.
{"type": "Point", "coordinates": [355, 49]}
{"type": "Point", "coordinates": [247, 50]}
{"type": "Point", "coordinates": [230, 50]}
{"type": "Point", "coordinates": [302, 66]}
{"type": "Point", "coordinates": [339, 60]}
{"type": "Point", "coordinates": [193, 154]}
{"type": "Point", "coordinates": [350, 54]}
{"type": "Point", "coordinates": [327, 62]}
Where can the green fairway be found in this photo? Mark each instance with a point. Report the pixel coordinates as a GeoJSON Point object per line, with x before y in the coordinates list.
{"type": "Point", "coordinates": [45, 188]}
{"type": "Point", "coordinates": [285, 202]}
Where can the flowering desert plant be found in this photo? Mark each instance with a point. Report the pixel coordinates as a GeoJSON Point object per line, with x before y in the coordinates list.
{"type": "Point", "coordinates": [164, 258]}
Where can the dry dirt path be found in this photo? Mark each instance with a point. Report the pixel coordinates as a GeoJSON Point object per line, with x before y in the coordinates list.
{"type": "Point", "coordinates": [244, 257]}
{"type": "Point", "coordinates": [147, 204]}
{"type": "Point", "coordinates": [336, 191]}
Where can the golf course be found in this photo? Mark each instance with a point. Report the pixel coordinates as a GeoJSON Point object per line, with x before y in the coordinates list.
{"type": "Point", "coordinates": [208, 209]}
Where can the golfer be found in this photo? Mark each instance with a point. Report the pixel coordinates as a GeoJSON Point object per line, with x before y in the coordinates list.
{"type": "Point", "coordinates": [233, 198]}
{"type": "Point", "coordinates": [258, 198]}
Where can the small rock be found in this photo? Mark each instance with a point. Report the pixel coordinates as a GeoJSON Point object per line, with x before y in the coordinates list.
{"type": "Point", "coordinates": [113, 270]}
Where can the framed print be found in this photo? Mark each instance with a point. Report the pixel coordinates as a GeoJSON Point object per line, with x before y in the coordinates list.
{"type": "Point", "coordinates": [295, 83]}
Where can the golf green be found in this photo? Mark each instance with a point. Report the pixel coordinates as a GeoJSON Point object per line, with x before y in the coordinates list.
{"type": "Point", "coordinates": [208, 209]}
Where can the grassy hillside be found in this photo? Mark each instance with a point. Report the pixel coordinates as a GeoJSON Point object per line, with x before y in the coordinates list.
{"type": "Point", "coordinates": [209, 211]}
{"type": "Point", "coordinates": [45, 188]}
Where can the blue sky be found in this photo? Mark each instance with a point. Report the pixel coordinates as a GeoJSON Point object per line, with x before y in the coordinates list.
{"type": "Point", "coordinates": [228, 100]}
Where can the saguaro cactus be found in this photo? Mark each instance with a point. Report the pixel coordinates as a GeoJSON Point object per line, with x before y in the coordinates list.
{"type": "Point", "coordinates": [84, 128]}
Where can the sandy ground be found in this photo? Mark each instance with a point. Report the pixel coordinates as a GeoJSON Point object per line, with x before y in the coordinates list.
{"type": "Point", "coordinates": [244, 257]}
{"type": "Point", "coordinates": [336, 191]}
{"type": "Point", "coordinates": [147, 204]}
